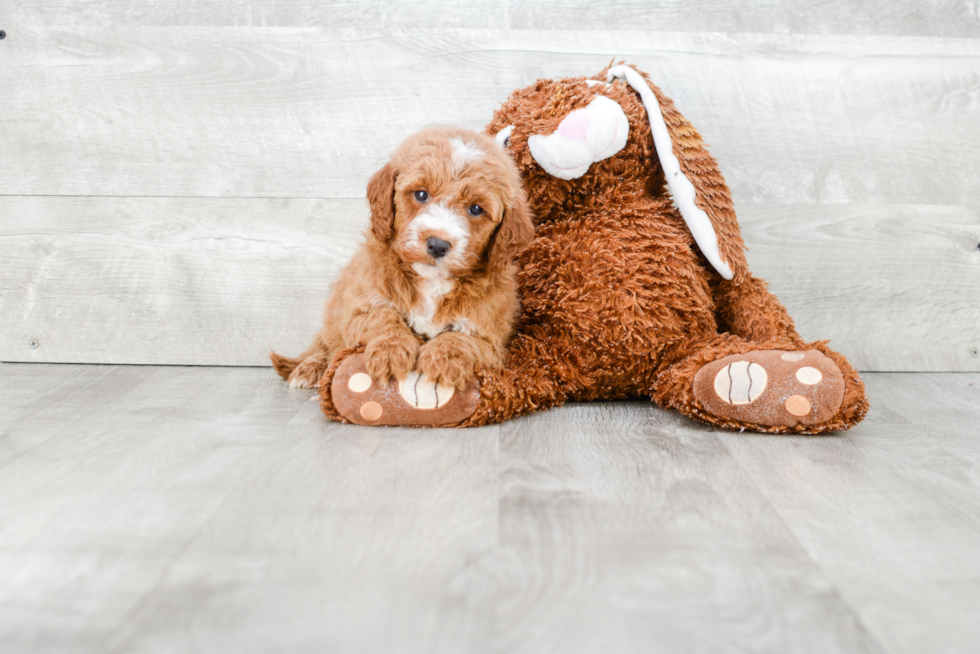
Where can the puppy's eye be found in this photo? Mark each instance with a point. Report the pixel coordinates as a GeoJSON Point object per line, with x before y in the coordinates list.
{"type": "Point", "coordinates": [476, 210]}
{"type": "Point", "coordinates": [421, 196]}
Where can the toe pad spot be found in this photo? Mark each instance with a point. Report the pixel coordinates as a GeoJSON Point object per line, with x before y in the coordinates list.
{"type": "Point", "coordinates": [797, 405]}
{"type": "Point", "coordinates": [371, 411]}
{"type": "Point", "coordinates": [359, 382]}
{"type": "Point", "coordinates": [809, 376]}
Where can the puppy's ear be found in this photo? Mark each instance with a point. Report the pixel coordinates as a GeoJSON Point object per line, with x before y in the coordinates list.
{"type": "Point", "coordinates": [514, 233]}
{"type": "Point", "coordinates": [381, 198]}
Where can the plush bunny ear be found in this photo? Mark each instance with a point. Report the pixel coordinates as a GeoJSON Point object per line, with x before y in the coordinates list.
{"type": "Point", "coordinates": [708, 213]}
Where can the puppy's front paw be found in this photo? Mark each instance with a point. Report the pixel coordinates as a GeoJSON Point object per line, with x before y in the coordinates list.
{"type": "Point", "coordinates": [387, 357]}
{"type": "Point", "coordinates": [308, 373]}
{"type": "Point", "coordinates": [445, 363]}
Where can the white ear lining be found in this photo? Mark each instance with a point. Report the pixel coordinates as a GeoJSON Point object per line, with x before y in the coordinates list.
{"type": "Point", "coordinates": [680, 186]}
{"type": "Point", "coordinates": [503, 135]}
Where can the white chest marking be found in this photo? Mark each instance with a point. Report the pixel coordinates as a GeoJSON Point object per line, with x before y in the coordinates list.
{"type": "Point", "coordinates": [436, 282]}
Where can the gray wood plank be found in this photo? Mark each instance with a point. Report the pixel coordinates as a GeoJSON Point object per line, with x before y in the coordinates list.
{"type": "Point", "coordinates": [93, 516]}
{"type": "Point", "coordinates": [216, 510]}
{"type": "Point", "coordinates": [311, 112]}
{"type": "Point", "coordinates": [928, 17]}
{"type": "Point", "coordinates": [624, 529]}
{"type": "Point", "coordinates": [221, 281]}
{"type": "Point", "coordinates": [168, 280]}
{"type": "Point", "coordinates": [891, 510]}
{"type": "Point", "coordinates": [893, 287]}
{"type": "Point", "coordinates": [194, 500]}
{"type": "Point", "coordinates": [342, 539]}
{"type": "Point", "coordinates": [35, 401]}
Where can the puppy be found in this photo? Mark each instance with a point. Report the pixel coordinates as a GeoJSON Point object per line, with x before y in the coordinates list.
{"type": "Point", "coordinates": [448, 217]}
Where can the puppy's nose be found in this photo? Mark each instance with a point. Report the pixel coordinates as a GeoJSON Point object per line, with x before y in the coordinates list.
{"type": "Point", "coordinates": [436, 247]}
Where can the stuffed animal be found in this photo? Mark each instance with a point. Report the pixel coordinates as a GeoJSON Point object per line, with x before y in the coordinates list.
{"type": "Point", "coordinates": [636, 284]}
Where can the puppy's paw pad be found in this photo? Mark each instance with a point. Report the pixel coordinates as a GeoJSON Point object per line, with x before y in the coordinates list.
{"type": "Point", "coordinates": [411, 401]}
{"type": "Point", "coordinates": [771, 388]}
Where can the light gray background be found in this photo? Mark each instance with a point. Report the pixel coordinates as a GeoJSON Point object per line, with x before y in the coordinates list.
{"type": "Point", "coordinates": [180, 182]}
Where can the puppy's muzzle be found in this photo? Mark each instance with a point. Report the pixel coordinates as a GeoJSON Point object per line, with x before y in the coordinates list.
{"type": "Point", "coordinates": [436, 247]}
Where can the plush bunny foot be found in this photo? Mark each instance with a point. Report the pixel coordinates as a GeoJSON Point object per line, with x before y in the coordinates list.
{"type": "Point", "coordinates": [412, 401]}
{"type": "Point", "coordinates": [771, 388]}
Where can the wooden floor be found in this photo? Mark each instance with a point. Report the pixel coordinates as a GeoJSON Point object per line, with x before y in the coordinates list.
{"type": "Point", "coordinates": [179, 509]}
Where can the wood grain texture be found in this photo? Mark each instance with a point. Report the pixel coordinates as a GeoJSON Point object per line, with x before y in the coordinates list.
{"type": "Point", "coordinates": [622, 529]}
{"type": "Point", "coordinates": [893, 287]}
{"type": "Point", "coordinates": [205, 497]}
{"type": "Point", "coordinates": [81, 541]}
{"type": "Point", "coordinates": [214, 509]}
{"type": "Point", "coordinates": [221, 281]}
{"type": "Point", "coordinates": [927, 17]}
{"type": "Point", "coordinates": [33, 405]}
{"type": "Point", "coordinates": [168, 280]}
{"type": "Point", "coordinates": [852, 160]}
{"type": "Point", "coordinates": [850, 504]}
{"type": "Point", "coordinates": [342, 540]}
{"type": "Point", "coordinates": [312, 112]}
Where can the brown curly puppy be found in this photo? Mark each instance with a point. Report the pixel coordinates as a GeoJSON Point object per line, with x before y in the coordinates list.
{"type": "Point", "coordinates": [448, 216]}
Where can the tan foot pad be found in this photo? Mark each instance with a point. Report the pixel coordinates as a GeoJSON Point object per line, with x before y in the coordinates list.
{"type": "Point", "coordinates": [413, 401]}
{"type": "Point", "coordinates": [771, 388]}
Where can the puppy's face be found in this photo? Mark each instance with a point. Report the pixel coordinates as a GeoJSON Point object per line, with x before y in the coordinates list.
{"type": "Point", "coordinates": [455, 202]}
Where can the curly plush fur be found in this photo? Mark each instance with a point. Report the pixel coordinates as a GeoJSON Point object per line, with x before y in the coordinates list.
{"type": "Point", "coordinates": [618, 299]}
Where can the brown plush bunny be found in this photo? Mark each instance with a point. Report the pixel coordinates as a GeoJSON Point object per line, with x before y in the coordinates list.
{"type": "Point", "coordinates": [636, 284]}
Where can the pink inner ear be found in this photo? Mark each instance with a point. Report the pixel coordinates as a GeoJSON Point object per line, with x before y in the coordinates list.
{"type": "Point", "coordinates": [575, 127]}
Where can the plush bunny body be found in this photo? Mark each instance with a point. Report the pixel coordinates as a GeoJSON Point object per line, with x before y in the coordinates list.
{"type": "Point", "coordinates": [636, 284]}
